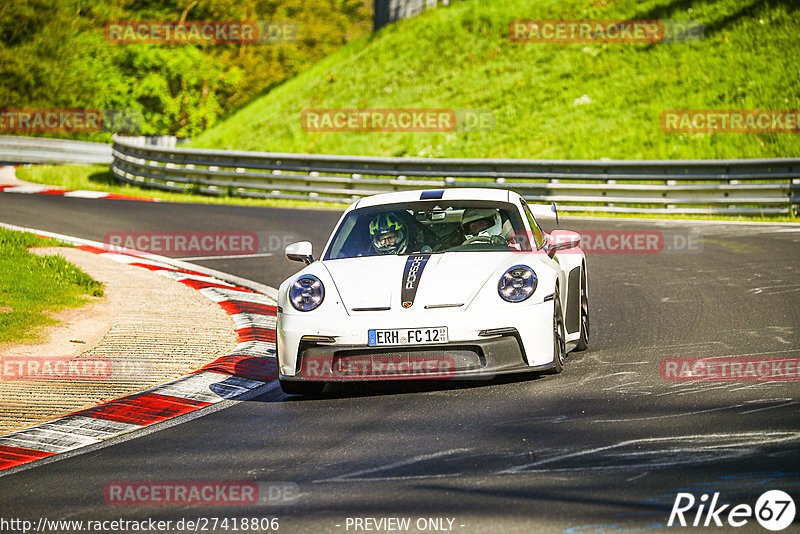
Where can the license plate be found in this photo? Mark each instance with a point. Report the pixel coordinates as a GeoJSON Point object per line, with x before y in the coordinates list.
{"type": "Point", "coordinates": [407, 336]}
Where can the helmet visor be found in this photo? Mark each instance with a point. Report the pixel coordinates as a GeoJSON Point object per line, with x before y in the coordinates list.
{"type": "Point", "coordinates": [388, 239]}
{"type": "Point", "coordinates": [478, 225]}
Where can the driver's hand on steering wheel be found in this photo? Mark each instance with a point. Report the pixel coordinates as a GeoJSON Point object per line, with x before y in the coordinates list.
{"type": "Point", "coordinates": [489, 239]}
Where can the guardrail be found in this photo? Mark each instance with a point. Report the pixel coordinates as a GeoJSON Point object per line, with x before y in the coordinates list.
{"type": "Point", "coordinates": [756, 186]}
{"type": "Point", "coordinates": [17, 150]}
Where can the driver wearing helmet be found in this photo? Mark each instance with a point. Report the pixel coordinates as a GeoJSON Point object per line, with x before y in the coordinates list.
{"type": "Point", "coordinates": [482, 225]}
{"type": "Point", "coordinates": [389, 234]}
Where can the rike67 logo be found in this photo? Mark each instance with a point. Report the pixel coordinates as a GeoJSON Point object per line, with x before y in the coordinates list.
{"type": "Point", "coordinates": [774, 510]}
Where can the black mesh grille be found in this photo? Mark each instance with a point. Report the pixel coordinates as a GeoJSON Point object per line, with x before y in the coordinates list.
{"type": "Point", "coordinates": [326, 363]}
{"type": "Point", "coordinates": [457, 358]}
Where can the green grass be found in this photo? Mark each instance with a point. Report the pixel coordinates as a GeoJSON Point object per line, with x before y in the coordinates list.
{"type": "Point", "coordinates": [460, 57]}
{"type": "Point", "coordinates": [31, 285]}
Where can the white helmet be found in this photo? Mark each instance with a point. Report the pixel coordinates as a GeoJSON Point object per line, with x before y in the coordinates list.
{"type": "Point", "coordinates": [481, 221]}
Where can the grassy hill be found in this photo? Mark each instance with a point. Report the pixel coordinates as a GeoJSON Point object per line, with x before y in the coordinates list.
{"type": "Point", "coordinates": [572, 101]}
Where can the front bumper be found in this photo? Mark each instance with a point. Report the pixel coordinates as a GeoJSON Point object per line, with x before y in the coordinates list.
{"type": "Point", "coordinates": [497, 353]}
{"type": "Point", "coordinates": [481, 341]}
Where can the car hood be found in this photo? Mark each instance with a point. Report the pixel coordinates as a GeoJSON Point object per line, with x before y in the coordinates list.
{"type": "Point", "coordinates": [376, 283]}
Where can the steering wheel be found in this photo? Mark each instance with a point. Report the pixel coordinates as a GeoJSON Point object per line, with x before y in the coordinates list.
{"type": "Point", "coordinates": [478, 239]}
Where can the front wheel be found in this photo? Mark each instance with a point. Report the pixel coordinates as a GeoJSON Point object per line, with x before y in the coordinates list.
{"type": "Point", "coordinates": [559, 336]}
{"type": "Point", "coordinates": [292, 387]}
{"type": "Point", "coordinates": [583, 341]}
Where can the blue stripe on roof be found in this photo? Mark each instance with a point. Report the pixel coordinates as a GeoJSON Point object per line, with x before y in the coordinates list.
{"type": "Point", "coordinates": [432, 195]}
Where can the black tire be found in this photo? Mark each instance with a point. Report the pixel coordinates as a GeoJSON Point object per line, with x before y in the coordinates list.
{"type": "Point", "coordinates": [291, 387]}
{"type": "Point", "coordinates": [583, 341]}
{"type": "Point", "coordinates": [559, 336]}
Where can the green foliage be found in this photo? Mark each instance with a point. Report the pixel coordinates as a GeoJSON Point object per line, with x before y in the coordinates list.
{"type": "Point", "coordinates": [55, 55]}
{"type": "Point", "coordinates": [550, 101]}
{"type": "Point", "coordinates": [31, 285]}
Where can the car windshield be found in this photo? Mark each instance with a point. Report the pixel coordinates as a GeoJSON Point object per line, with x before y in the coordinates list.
{"type": "Point", "coordinates": [428, 227]}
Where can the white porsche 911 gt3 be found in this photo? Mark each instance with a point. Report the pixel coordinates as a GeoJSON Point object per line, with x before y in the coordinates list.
{"type": "Point", "coordinates": [436, 284]}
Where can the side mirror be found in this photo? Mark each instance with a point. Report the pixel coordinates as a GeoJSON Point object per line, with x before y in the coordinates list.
{"type": "Point", "coordinates": [562, 240]}
{"type": "Point", "coordinates": [554, 209]}
{"type": "Point", "coordinates": [300, 251]}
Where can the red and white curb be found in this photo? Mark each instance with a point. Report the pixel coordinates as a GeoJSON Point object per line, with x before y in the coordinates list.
{"type": "Point", "coordinates": [251, 365]}
{"type": "Point", "coordinates": [74, 193]}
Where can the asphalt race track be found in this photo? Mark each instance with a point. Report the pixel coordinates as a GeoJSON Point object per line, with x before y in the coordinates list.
{"type": "Point", "coordinates": [604, 447]}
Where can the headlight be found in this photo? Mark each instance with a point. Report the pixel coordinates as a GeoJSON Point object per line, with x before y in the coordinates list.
{"type": "Point", "coordinates": [517, 284]}
{"type": "Point", "coordinates": [307, 293]}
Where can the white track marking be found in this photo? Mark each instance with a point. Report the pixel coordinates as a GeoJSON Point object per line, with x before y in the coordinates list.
{"type": "Point", "coordinates": [45, 437]}
{"type": "Point", "coordinates": [80, 193]}
{"type": "Point", "coordinates": [219, 294]}
{"type": "Point", "coordinates": [198, 277]}
{"type": "Point", "coordinates": [128, 259]}
{"type": "Point", "coordinates": [197, 386]}
{"type": "Point", "coordinates": [91, 426]}
{"type": "Point", "coordinates": [245, 320]}
{"type": "Point", "coordinates": [255, 348]}
{"type": "Point", "coordinates": [27, 189]}
{"type": "Point", "coordinates": [67, 433]}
